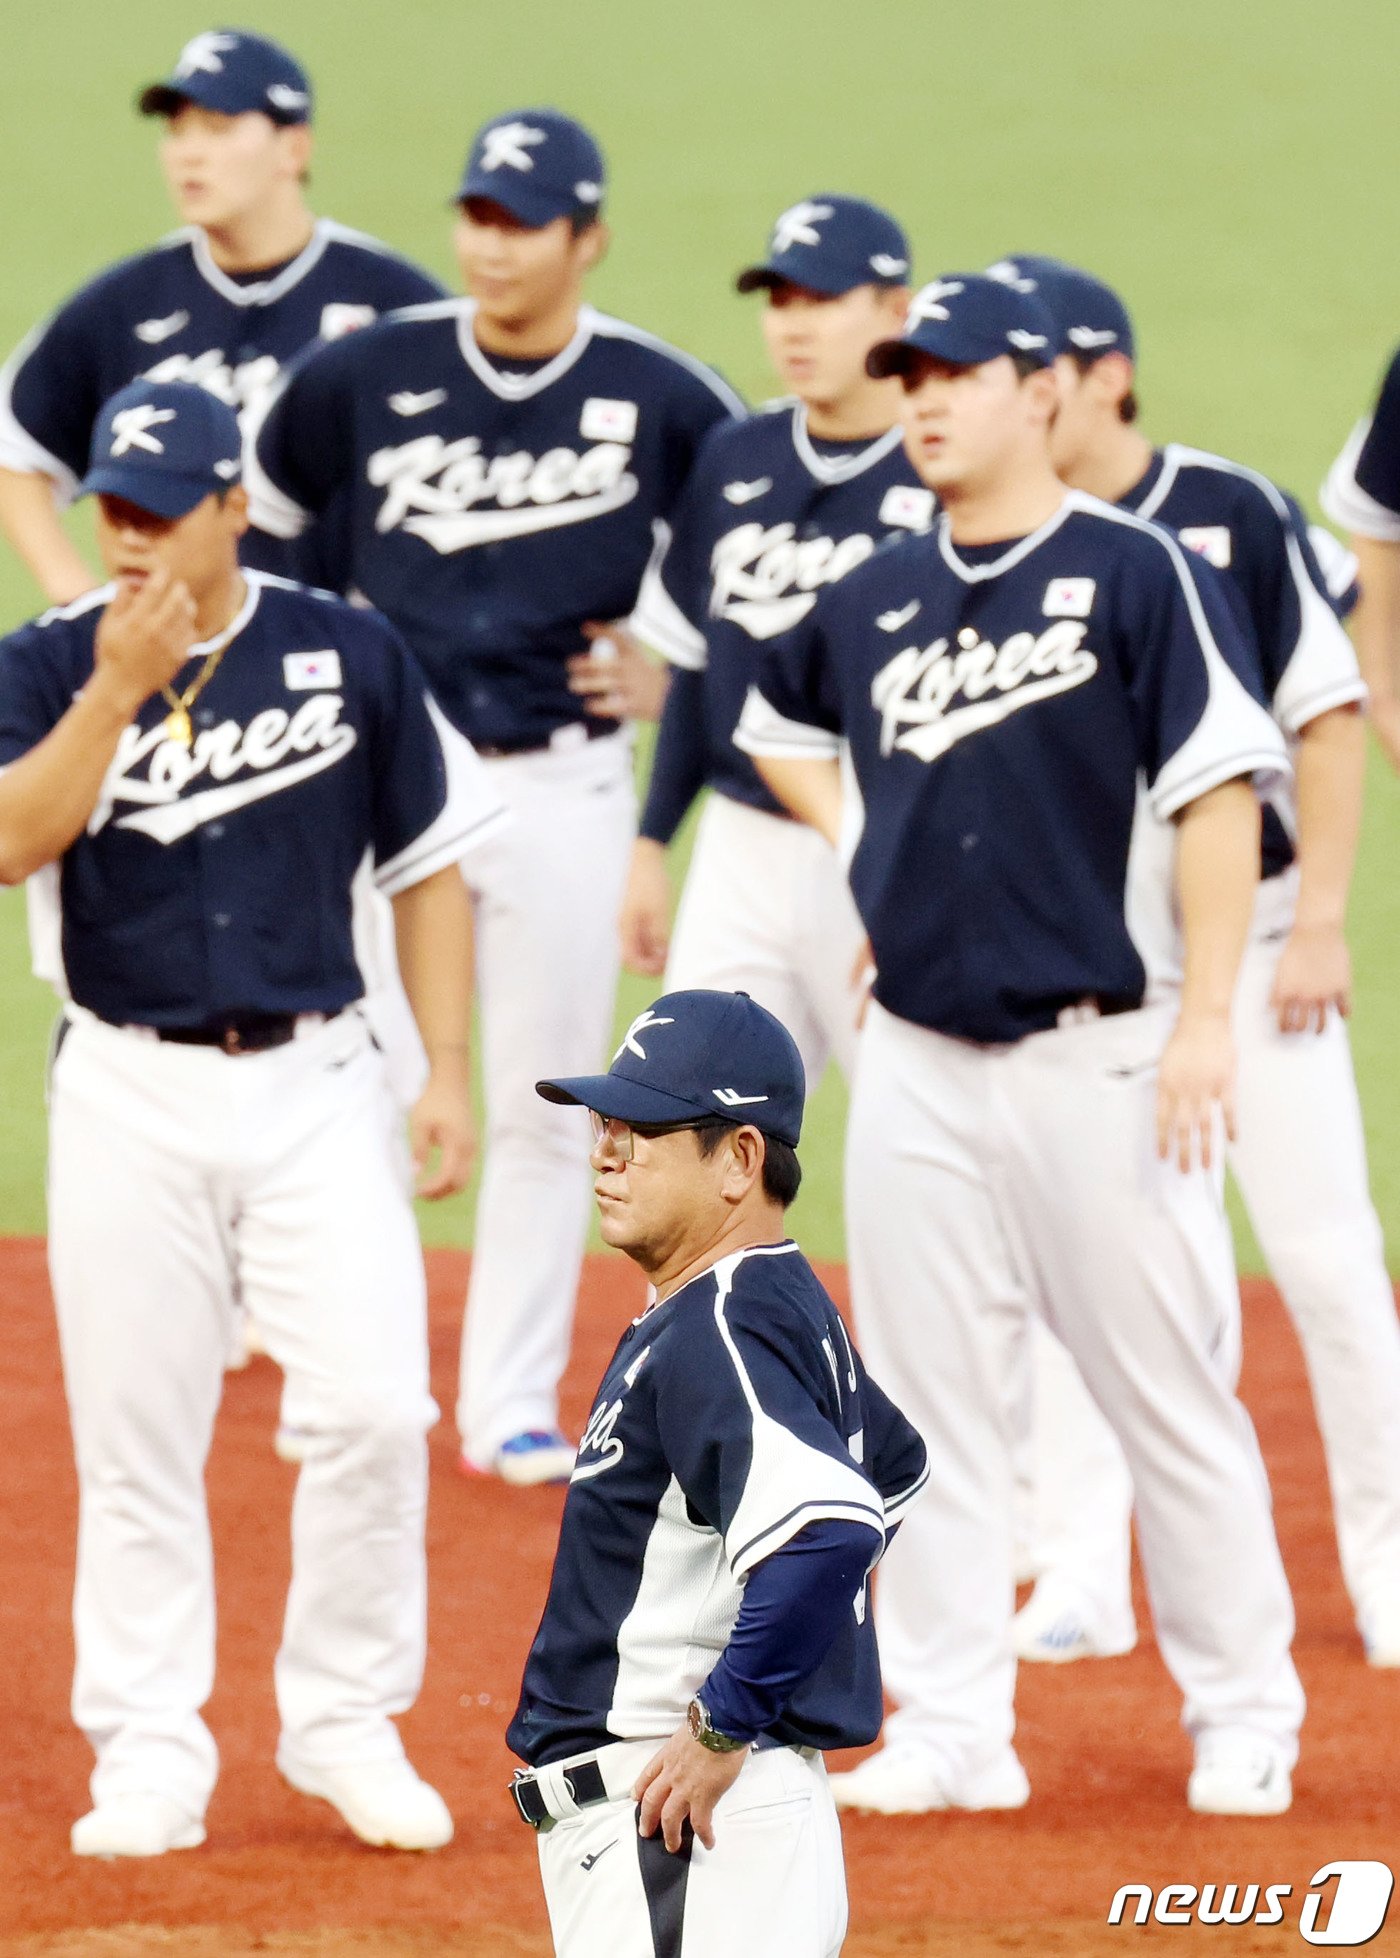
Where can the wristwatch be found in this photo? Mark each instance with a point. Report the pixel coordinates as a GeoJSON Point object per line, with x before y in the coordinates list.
{"type": "Point", "coordinates": [698, 1714]}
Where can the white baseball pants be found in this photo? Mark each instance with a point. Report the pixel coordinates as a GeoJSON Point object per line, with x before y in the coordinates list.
{"type": "Point", "coordinates": [1300, 1162]}
{"type": "Point", "coordinates": [546, 895]}
{"type": "Point", "coordinates": [982, 1178]}
{"type": "Point", "coordinates": [775, 1880]}
{"type": "Point", "coordinates": [766, 910]}
{"type": "Point", "coordinates": [175, 1172]}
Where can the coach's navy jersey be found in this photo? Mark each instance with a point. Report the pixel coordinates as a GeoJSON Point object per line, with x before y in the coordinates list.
{"type": "Point", "coordinates": [730, 1417]}
{"type": "Point", "coordinates": [1257, 535]}
{"type": "Point", "coordinates": [766, 522]}
{"type": "Point", "coordinates": [491, 512]}
{"type": "Point", "coordinates": [1001, 705]}
{"type": "Point", "coordinates": [217, 879]}
{"type": "Point", "coordinates": [1362, 491]}
{"type": "Point", "coordinates": [171, 315]}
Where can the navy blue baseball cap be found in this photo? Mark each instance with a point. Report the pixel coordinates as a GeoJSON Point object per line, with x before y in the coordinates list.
{"type": "Point", "coordinates": [698, 1054]}
{"type": "Point", "coordinates": [967, 318]}
{"type": "Point", "coordinates": [1090, 317]}
{"type": "Point", "coordinates": [832, 244]}
{"type": "Point", "coordinates": [164, 446]}
{"type": "Point", "coordinates": [231, 72]}
{"type": "Point", "coordinates": [538, 164]}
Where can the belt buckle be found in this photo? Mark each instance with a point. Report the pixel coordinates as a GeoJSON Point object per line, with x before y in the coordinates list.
{"type": "Point", "coordinates": [534, 1813]}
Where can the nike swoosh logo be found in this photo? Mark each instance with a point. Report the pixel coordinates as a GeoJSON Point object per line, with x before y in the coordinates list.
{"type": "Point", "coordinates": [892, 621]}
{"type": "Point", "coordinates": [461, 532]}
{"type": "Point", "coordinates": [733, 1099]}
{"type": "Point", "coordinates": [406, 402]}
{"type": "Point", "coordinates": [746, 492]}
{"type": "Point", "coordinates": [172, 820]}
{"type": "Point", "coordinates": [588, 1861]}
{"type": "Point", "coordinates": [152, 332]}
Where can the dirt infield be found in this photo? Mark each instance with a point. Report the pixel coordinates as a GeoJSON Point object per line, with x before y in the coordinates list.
{"type": "Point", "coordinates": [279, 1875]}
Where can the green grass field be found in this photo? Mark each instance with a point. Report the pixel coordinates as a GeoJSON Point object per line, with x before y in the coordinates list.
{"type": "Point", "coordinates": [1227, 166]}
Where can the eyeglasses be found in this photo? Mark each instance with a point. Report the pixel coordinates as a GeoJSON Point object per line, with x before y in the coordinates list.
{"type": "Point", "coordinates": [619, 1135]}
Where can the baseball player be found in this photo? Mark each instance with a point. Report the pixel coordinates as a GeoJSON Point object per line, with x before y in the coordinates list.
{"type": "Point", "coordinates": [225, 302]}
{"type": "Point", "coordinates": [1362, 494]}
{"type": "Point", "coordinates": [1300, 1156]}
{"type": "Point", "coordinates": [706, 1636]}
{"type": "Point", "coordinates": [1025, 1119]}
{"type": "Point", "coordinates": [195, 761]}
{"type": "Point", "coordinates": [778, 507]}
{"type": "Point", "coordinates": [504, 461]}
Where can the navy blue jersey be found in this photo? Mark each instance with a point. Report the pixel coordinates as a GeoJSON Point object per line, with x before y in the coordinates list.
{"type": "Point", "coordinates": [1001, 705]}
{"type": "Point", "coordinates": [1362, 491]}
{"type": "Point", "coordinates": [171, 315]}
{"type": "Point", "coordinates": [766, 522]}
{"type": "Point", "coordinates": [1257, 535]}
{"type": "Point", "coordinates": [217, 879]}
{"type": "Point", "coordinates": [729, 1418]}
{"type": "Point", "coordinates": [491, 512]}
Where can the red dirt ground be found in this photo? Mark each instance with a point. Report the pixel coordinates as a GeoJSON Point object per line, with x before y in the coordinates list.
{"type": "Point", "coordinates": [280, 1875]}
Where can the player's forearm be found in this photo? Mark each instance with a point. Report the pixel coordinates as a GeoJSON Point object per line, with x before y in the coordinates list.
{"type": "Point", "coordinates": [1375, 624]}
{"type": "Point", "coordinates": [47, 796]}
{"type": "Point", "coordinates": [810, 789]}
{"type": "Point", "coordinates": [1217, 873]}
{"type": "Point", "coordinates": [29, 518]}
{"type": "Point", "coordinates": [1330, 767]}
{"type": "Point", "coordinates": [433, 938]}
{"type": "Point", "coordinates": [794, 1605]}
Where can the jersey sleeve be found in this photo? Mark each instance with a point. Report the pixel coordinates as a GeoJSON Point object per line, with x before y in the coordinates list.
{"type": "Point", "coordinates": [743, 1428]}
{"type": "Point", "coordinates": [50, 395]}
{"type": "Point", "coordinates": [793, 710]}
{"type": "Point", "coordinates": [35, 691]}
{"type": "Point", "coordinates": [433, 797]}
{"type": "Point", "coordinates": [1362, 490]}
{"type": "Point", "coordinates": [678, 765]}
{"type": "Point", "coordinates": [1193, 682]}
{"type": "Point", "coordinates": [671, 604]}
{"type": "Point", "coordinates": [1306, 660]}
{"type": "Point", "coordinates": [896, 1459]}
{"type": "Point", "coordinates": [298, 445]}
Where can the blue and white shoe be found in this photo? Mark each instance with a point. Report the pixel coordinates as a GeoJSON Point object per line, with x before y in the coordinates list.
{"type": "Point", "coordinates": [527, 1460]}
{"type": "Point", "coordinates": [1053, 1628]}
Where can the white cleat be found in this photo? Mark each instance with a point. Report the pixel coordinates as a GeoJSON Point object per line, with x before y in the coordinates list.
{"type": "Point", "coordinates": [1239, 1774]}
{"type": "Point", "coordinates": [912, 1781]}
{"type": "Point", "coordinates": [1052, 1629]}
{"type": "Point", "coordinates": [1379, 1623]}
{"type": "Point", "coordinates": [135, 1825]}
{"type": "Point", "coordinates": [385, 1803]}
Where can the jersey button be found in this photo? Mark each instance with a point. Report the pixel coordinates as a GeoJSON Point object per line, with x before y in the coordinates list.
{"type": "Point", "coordinates": [214, 830]}
{"type": "Point", "coordinates": [969, 842]}
{"type": "Point", "coordinates": [222, 920]}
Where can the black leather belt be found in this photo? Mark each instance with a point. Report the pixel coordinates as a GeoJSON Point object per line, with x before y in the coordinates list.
{"type": "Point", "coordinates": [240, 1033]}
{"type": "Point", "coordinates": [584, 1781]}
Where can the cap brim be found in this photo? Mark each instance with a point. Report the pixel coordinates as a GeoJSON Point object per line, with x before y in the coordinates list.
{"type": "Point", "coordinates": [528, 208]}
{"type": "Point", "coordinates": [889, 357]}
{"type": "Point", "coordinates": [160, 495]}
{"type": "Point", "coordinates": [615, 1096]}
{"type": "Point", "coordinates": [165, 99]}
{"type": "Point", "coordinates": [829, 282]}
{"type": "Point", "coordinates": [160, 99]}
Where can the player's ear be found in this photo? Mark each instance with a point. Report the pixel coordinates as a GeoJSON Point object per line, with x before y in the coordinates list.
{"type": "Point", "coordinates": [743, 1164]}
{"type": "Point", "coordinates": [1042, 390]}
{"type": "Point", "coordinates": [893, 302]}
{"type": "Point", "coordinates": [1111, 377]}
{"type": "Point", "coordinates": [235, 507]}
{"type": "Point", "coordinates": [294, 140]}
{"type": "Point", "coordinates": [591, 246]}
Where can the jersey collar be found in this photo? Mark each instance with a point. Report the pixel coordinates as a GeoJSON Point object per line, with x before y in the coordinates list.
{"type": "Point", "coordinates": [1149, 492]}
{"type": "Point", "coordinates": [839, 469]}
{"type": "Point", "coordinates": [975, 574]}
{"type": "Point", "coordinates": [781, 1249]}
{"type": "Point", "coordinates": [263, 292]}
{"type": "Point", "coordinates": [253, 583]}
{"type": "Point", "coordinates": [519, 387]}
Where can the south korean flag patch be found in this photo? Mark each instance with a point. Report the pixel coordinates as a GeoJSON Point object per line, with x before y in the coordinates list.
{"type": "Point", "coordinates": [1068, 598]}
{"type": "Point", "coordinates": [907, 508]}
{"type": "Point", "coordinates": [309, 672]}
{"type": "Point", "coordinates": [608, 421]}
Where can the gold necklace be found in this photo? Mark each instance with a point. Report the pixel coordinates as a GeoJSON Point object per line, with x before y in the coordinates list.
{"type": "Point", "coordinates": [178, 726]}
